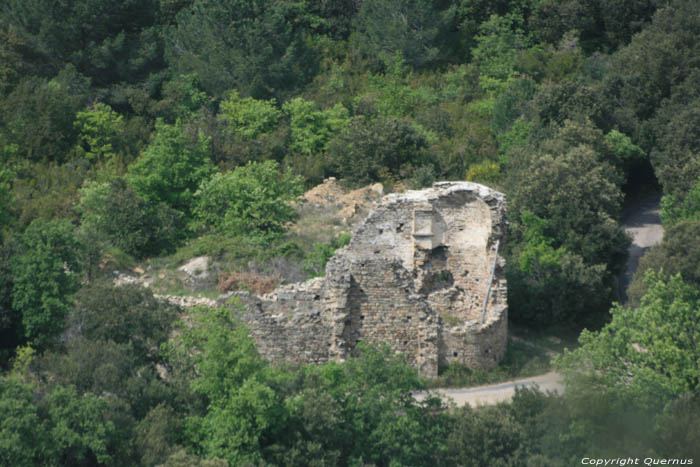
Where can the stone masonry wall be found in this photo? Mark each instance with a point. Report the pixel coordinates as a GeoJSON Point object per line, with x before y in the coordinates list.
{"type": "Point", "coordinates": [415, 276]}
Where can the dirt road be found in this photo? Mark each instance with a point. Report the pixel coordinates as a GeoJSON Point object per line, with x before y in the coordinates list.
{"type": "Point", "coordinates": [501, 392]}
{"type": "Point", "coordinates": [642, 221]}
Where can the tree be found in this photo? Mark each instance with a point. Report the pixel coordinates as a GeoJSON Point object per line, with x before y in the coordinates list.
{"type": "Point", "coordinates": [647, 71]}
{"type": "Point", "coordinates": [11, 332]}
{"type": "Point", "coordinates": [242, 410]}
{"type": "Point", "coordinates": [20, 430]}
{"type": "Point", "coordinates": [649, 354]}
{"type": "Point", "coordinates": [55, 428]}
{"type": "Point", "coordinates": [128, 314]}
{"type": "Point", "coordinates": [252, 200]}
{"type": "Point", "coordinates": [112, 213]}
{"type": "Point", "coordinates": [676, 149]}
{"type": "Point", "coordinates": [102, 39]}
{"type": "Point", "coordinates": [38, 117]}
{"type": "Point", "coordinates": [364, 151]}
{"type": "Point", "coordinates": [100, 129]}
{"type": "Point", "coordinates": [6, 199]}
{"type": "Point", "coordinates": [412, 27]}
{"type": "Point", "coordinates": [580, 198]}
{"type": "Point", "coordinates": [171, 168]}
{"type": "Point", "coordinates": [312, 129]}
{"type": "Point", "coordinates": [552, 286]}
{"type": "Point", "coordinates": [496, 52]}
{"type": "Point", "coordinates": [249, 117]}
{"type": "Point", "coordinates": [602, 25]}
{"type": "Point", "coordinates": [79, 431]}
{"type": "Point", "coordinates": [45, 277]}
{"type": "Point", "coordinates": [256, 47]}
{"type": "Point", "coordinates": [373, 414]}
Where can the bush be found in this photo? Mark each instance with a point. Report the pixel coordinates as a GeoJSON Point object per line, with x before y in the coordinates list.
{"type": "Point", "coordinates": [112, 212]}
{"type": "Point", "coordinates": [253, 200]}
{"type": "Point", "coordinates": [366, 149]}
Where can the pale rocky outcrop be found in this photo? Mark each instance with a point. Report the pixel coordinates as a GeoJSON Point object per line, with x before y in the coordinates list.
{"type": "Point", "coordinates": [423, 273]}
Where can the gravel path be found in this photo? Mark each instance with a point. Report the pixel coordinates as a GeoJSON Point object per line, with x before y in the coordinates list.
{"type": "Point", "coordinates": [643, 223]}
{"type": "Point", "coordinates": [501, 392]}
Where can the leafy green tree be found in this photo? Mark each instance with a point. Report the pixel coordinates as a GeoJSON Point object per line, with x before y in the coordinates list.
{"type": "Point", "coordinates": [11, 332]}
{"type": "Point", "coordinates": [100, 130]}
{"type": "Point", "coordinates": [13, 66]}
{"type": "Point", "coordinates": [37, 116]}
{"type": "Point", "coordinates": [392, 93]}
{"type": "Point", "coordinates": [647, 71]}
{"type": "Point", "coordinates": [602, 26]}
{"type": "Point", "coordinates": [157, 435]}
{"type": "Point", "coordinates": [312, 129]}
{"type": "Point", "coordinates": [675, 210]}
{"type": "Point", "coordinates": [171, 168]}
{"type": "Point", "coordinates": [496, 52]}
{"type": "Point", "coordinates": [6, 199]}
{"type": "Point", "coordinates": [374, 416]}
{"type": "Point", "coordinates": [55, 428]}
{"type": "Point", "coordinates": [183, 98]}
{"type": "Point", "coordinates": [252, 200]}
{"type": "Point", "coordinates": [649, 354]}
{"type": "Point", "coordinates": [676, 147]}
{"type": "Point", "coordinates": [112, 213]}
{"type": "Point", "coordinates": [488, 436]}
{"type": "Point", "coordinates": [21, 430]}
{"type": "Point", "coordinates": [364, 150]}
{"type": "Point", "coordinates": [242, 410]}
{"type": "Point", "coordinates": [249, 117]}
{"type": "Point", "coordinates": [45, 277]}
{"type": "Point", "coordinates": [256, 47]}
{"type": "Point", "coordinates": [580, 198]}
{"type": "Point", "coordinates": [79, 431]}
{"type": "Point", "coordinates": [552, 286]}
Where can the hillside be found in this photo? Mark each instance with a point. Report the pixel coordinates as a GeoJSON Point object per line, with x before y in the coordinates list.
{"type": "Point", "coordinates": [207, 146]}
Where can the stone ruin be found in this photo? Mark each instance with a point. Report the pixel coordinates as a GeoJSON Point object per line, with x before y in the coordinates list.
{"type": "Point", "coordinates": [423, 273]}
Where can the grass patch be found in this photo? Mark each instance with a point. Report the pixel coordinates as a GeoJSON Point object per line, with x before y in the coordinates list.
{"type": "Point", "coordinates": [521, 360]}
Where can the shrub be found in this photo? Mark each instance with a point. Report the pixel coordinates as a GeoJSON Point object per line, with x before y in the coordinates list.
{"type": "Point", "coordinates": [253, 200]}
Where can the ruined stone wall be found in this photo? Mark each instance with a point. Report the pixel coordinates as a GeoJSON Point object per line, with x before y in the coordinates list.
{"type": "Point", "coordinates": [415, 276]}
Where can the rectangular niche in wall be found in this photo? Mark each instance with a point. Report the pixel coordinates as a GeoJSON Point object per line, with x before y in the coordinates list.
{"type": "Point", "coordinates": [423, 227]}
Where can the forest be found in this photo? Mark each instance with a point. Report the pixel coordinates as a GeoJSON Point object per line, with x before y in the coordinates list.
{"type": "Point", "coordinates": [140, 134]}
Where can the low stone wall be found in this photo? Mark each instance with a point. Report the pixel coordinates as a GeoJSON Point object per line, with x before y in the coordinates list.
{"type": "Point", "coordinates": [414, 276]}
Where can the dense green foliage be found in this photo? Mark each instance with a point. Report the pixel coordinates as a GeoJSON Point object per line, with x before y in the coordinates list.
{"type": "Point", "coordinates": [253, 200]}
{"type": "Point", "coordinates": [130, 130]}
{"type": "Point", "coordinates": [45, 275]}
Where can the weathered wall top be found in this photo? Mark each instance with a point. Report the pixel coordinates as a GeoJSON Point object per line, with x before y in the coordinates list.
{"type": "Point", "coordinates": [423, 273]}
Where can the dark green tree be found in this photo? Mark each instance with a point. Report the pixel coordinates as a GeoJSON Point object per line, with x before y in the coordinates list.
{"type": "Point", "coordinates": [37, 116]}
{"type": "Point", "coordinates": [113, 214]}
{"type": "Point", "coordinates": [647, 71]}
{"type": "Point", "coordinates": [127, 314]}
{"type": "Point", "coordinates": [256, 47]}
{"type": "Point", "coordinates": [108, 40]}
{"type": "Point", "coordinates": [412, 27]}
{"type": "Point", "coordinates": [365, 151]}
